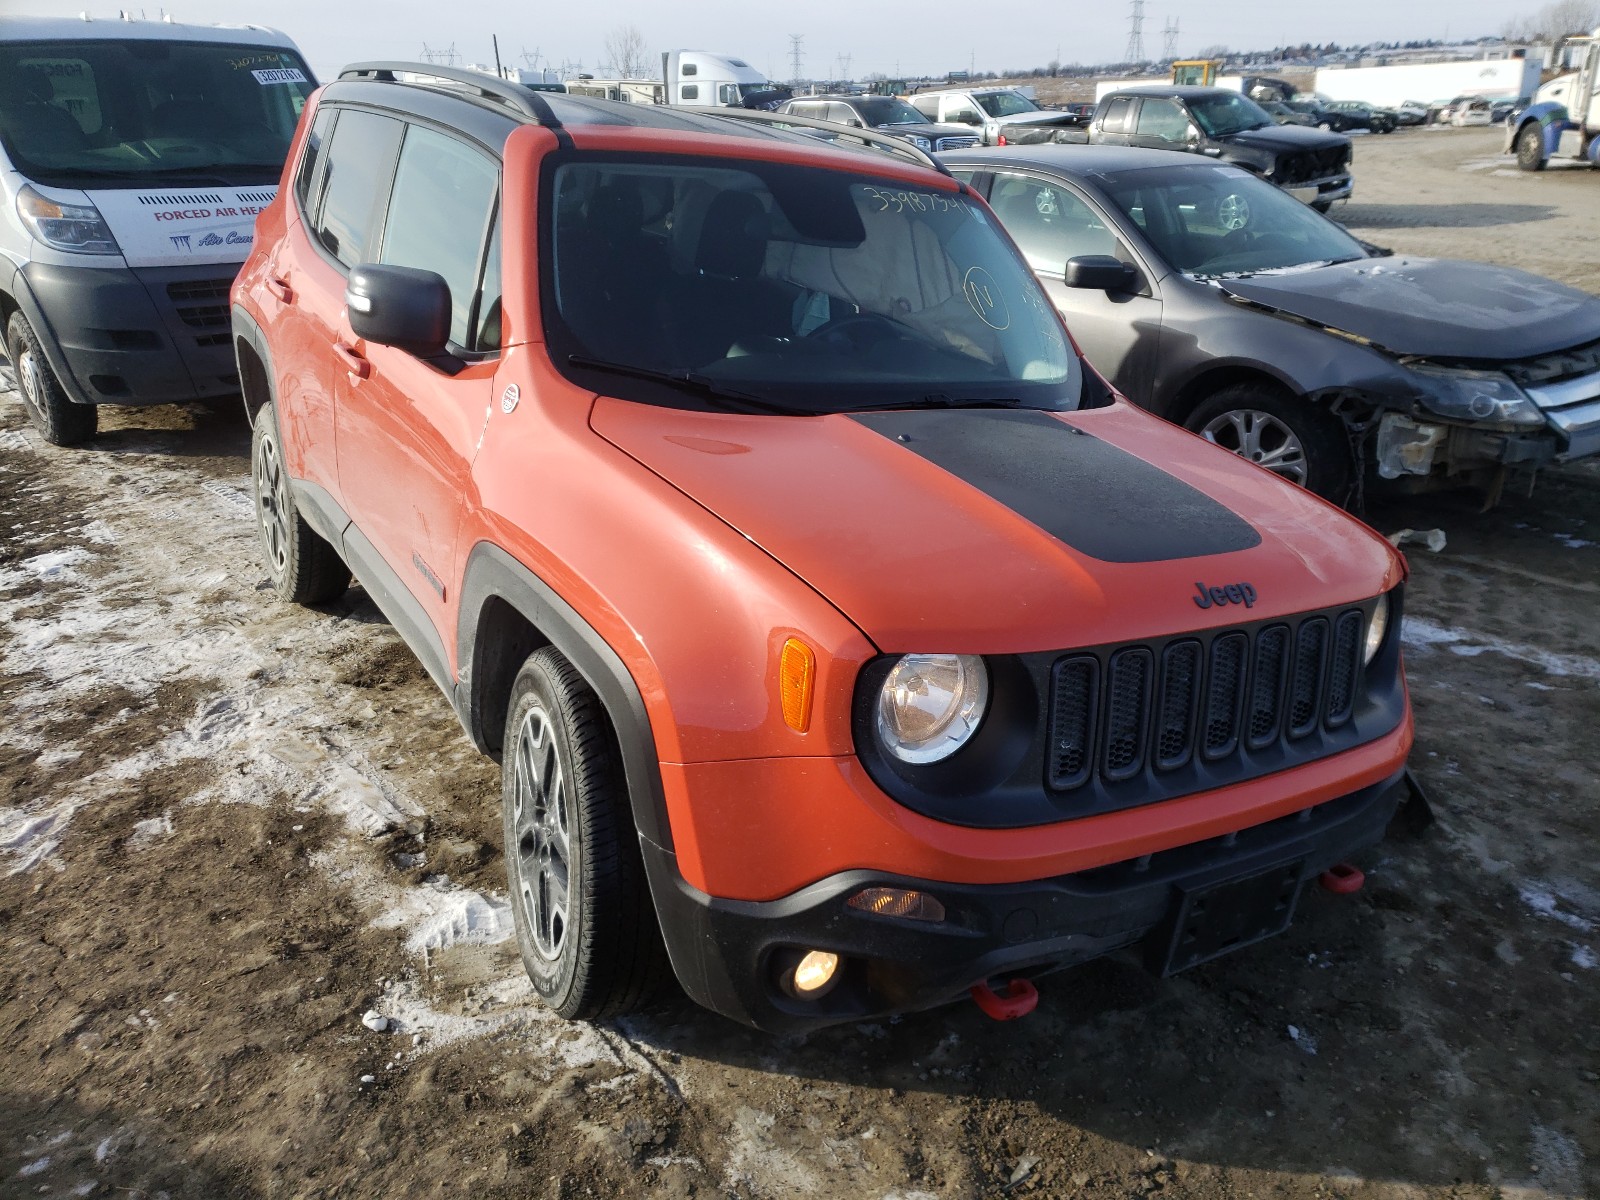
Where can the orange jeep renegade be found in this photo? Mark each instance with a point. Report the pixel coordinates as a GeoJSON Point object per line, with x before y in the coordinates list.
{"type": "Point", "coordinates": [847, 644]}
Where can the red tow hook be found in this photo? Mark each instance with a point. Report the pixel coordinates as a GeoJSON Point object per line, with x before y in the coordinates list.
{"type": "Point", "coordinates": [1342, 879]}
{"type": "Point", "coordinates": [1020, 999]}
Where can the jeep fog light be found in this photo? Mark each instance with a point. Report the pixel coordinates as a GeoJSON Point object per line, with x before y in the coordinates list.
{"type": "Point", "coordinates": [1376, 628]}
{"type": "Point", "coordinates": [815, 974]}
{"type": "Point", "coordinates": [931, 704]}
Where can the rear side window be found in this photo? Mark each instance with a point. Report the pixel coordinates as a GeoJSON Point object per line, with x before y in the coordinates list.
{"type": "Point", "coordinates": [444, 192]}
{"type": "Point", "coordinates": [360, 166]}
{"type": "Point", "coordinates": [1116, 118]}
{"type": "Point", "coordinates": [311, 159]}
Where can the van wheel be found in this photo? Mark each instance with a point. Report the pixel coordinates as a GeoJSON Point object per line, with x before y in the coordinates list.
{"type": "Point", "coordinates": [58, 420]}
{"type": "Point", "coordinates": [1530, 147]}
{"type": "Point", "coordinates": [579, 900]}
{"type": "Point", "coordinates": [302, 567]}
{"type": "Point", "coordinates": [1289, 437]}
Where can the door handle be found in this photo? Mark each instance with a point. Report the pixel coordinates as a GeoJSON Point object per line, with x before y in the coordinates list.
{"type": "Point", "coordinates": [280, 288]}
{"type": "Point", "coordinates": [358, 366]}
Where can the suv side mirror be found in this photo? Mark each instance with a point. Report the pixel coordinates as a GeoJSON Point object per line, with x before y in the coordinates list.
{"type": "Point", "coordinates": [1101, 273]}
{"type": "Point", "coordinates": [401, 307]}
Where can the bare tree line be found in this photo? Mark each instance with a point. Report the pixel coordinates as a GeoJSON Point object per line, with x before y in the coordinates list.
{"type": "Point", "coordinates": [1555, 20]}
{"type": "Point", "coordinates": [625, 51]}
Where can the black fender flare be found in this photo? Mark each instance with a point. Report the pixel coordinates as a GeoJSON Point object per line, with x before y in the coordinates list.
{"type": "Point", "coordinates": [247, 330]}
{"type": "Point", "coordinates": [491, 573]}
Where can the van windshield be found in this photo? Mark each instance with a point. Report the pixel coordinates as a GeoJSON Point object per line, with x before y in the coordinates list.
{"type": "Point", "coordinates": [136, 113]}
{"type": "Point", "coordinates": [681, 280]}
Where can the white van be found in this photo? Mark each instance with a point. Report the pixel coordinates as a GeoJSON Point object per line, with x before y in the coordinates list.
{"type": "Point", "coordinates": [134, 156]}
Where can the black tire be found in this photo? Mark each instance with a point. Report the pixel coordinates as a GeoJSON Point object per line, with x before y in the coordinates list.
{"type": "Point", "coordinates": [302, 567]}
{"type": "Point", "coordinates": [594, 951]}
{"type": "Point", "coordinates": [58, 420]}
{"type": "Point", "coordinates": [1530, 147]}
{"type": "Point", "coordinates": [1290, 437]}
{"type": "Point", "coordinates": [1325, 126]}
{"type": "Point", "coordinates": [1322, 206]}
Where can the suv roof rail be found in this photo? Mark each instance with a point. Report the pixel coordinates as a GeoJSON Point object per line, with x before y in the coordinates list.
{"type": "Point", "coordinates": [523, 101]}
{"type": "Point", "coordinates": [867, 137]}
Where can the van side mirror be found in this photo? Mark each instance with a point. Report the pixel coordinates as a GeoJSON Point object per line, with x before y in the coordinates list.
{"type": "Point", "coordinates": [1101, 273]}
{"type": "Point", "coordinates": [402, 307]}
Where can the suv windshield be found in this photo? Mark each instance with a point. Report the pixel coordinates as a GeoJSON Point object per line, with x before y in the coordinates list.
{"type": "Point", "coordinates": [1005, 104]}
{"type": "Point", "coordinates": [886, 110]}
{"type": "Point", "coordinates": [1208, 221]}
{"type": "Point", "coordinates": [1222, 115]}
{"type": "Point", "coordinates": [99, 113]}
{"type": "Point", "coordinates": [786, 285]}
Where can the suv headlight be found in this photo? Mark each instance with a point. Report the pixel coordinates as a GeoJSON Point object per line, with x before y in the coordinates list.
{"type": "Point", "coordinates": [1475, 396]}
{"type": "Point", "coordinates": [931, 704]}
{"type": "Point", "coordinates": [1376, 628]}
{"type": "Point", "coordinates": [76, 228]}
{"type": "Point", "coordinates": [921, 143]}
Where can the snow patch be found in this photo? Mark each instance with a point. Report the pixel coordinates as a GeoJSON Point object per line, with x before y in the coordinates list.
{"type": "Point", "coordinates": [54, 566]}
{"type": "Point", "coordinates": [1548, 904]}
{"type": "Point", "coordinates": [1425, 635]}
{"type": "Point", "coordinates": [461, 917]}
{"type": "Point", "coordinates": [151, 830]}
{"type": "Point", "coordinates": [33, 1168]}
{"type": "Point", "coordinates": [1584, 957]}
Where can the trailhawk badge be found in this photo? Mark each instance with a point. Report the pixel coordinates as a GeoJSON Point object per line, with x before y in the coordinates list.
{"type": "Point", "coordinates": [509, 398]}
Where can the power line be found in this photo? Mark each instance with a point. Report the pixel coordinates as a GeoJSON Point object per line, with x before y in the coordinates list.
{"type": "Point", "coordinates": [1169, 39]}
{"type": "Point", "coordinates": [795, 54]}
{"type": "Point", "coordinates": [1135, 52]}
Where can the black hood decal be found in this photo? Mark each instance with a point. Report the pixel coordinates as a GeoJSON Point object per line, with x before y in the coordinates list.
{"type": "Point", "coordinates": [1098, 499]}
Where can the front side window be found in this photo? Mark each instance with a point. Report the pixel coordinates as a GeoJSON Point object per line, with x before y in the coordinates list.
{"type": "Point", "coordinates": [1220, 115]}
{"type": "Point", "coordinates": [1163, 119]}
{"type": "Point", "coordinates": [139, 113]}
{"type": "Point", "coordinates": [356, 182]}
{"type": "Point", "coordinates": [439, 217]}
{"type": "Point", "coordinates": [1049, 223]}
{"type": "Point", "coordinates": [1116, 118]}
{"type": "Point", "coordinates": [814, 290]}
{"type": "Point", "coordinates": [887, 110]}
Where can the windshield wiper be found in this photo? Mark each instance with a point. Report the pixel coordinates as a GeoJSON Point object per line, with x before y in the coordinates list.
{"type": "Point", "coordinates": [730, 399]}
{"type": "Point", "coordinates": [941, 400]}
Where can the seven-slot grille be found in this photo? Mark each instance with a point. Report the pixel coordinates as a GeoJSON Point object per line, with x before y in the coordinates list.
{"type": "Point", "coordinates": [1233, 692]}
{"type": "Point", "coordinates": [202, 305]}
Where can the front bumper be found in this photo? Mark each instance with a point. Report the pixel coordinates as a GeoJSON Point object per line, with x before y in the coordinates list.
{"type": "Point", "coordinates": [1321, 191]}
{"type": "Point", "coordinates": [116, 335]}
{"type": "Point", "coordinates": [730, 955]}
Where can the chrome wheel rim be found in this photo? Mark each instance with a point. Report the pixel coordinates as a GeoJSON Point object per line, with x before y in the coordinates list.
{"type": "Point", "coordinates": [539, 816]}
{"type": "Point", "coordinates": [272, 504]}
{"type": "Point", "coordinates": [1261, 438]}
{"type": "Point", "coordinates": [1233, 212]}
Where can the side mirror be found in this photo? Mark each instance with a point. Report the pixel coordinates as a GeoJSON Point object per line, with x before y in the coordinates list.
{"type": "Point", "coordinates": [1101, 273]}
{"type": "Point", "coordinates": [400, 307]}
{"type": "Point", "coordinates": [969, 118]}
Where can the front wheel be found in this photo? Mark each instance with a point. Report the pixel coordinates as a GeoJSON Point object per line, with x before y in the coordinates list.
{"type": "Point", "coordinates": [1288, 436]}
{"type": "Point", "coordinates": [1530, 147]}
{"type": "Point", "coordinates": [1322, 206]}
{"type": "Point", "coordinates": [58, 420]}
{"type": "Point", "coordinates": [579, 900]}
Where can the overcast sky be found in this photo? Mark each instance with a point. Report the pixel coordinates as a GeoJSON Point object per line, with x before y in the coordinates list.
{"type": "Point", "coordinates": [930, 37]}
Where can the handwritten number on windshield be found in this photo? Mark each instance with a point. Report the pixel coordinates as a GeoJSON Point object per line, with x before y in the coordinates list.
{"type": "Point", "coordinates": [921, 202]}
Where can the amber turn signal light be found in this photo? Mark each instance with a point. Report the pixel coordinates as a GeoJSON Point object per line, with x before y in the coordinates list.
{"type": "Point", "coordinates": [898, 902]}
{"type": "Point", "coordinates": [797, 669]}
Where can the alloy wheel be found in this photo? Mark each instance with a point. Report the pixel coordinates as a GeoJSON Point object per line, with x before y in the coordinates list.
{"type": "Point", "coordinates": [540, 816]}
{"type": "Point", "coordinates": [272, 504]}
{"type": "Point", "coordinates": [1263, 439]}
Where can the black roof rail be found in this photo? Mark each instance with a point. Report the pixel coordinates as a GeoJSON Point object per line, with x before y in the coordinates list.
{"type": "Point", "coordinates": [867, 137]}
{"type": "Point", "coordinates": [523, 101]}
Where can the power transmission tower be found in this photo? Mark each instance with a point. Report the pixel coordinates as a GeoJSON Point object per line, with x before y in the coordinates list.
{"type": "Point", "coordinates": [1169, 39]}
{"type": "Point", "coordinates": [531, 60]}
{"type": "Point", "coordinates": [1135, 51]}
{"type": "Point", "coordinates": [446, 56]}
{"type": "Point", "coordinates": [844, 67]}
{"type": "Point", "coordinates": [795, 56]}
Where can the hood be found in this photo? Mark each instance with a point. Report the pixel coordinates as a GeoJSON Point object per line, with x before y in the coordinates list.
{"type": "Point", "coordinates": [172, 227]}
{"type": "Point", "coordinates": [931, 130]}
{"type": "Point", "coordinates": [997, 531]}
{"type": "Point", "coordinates": [1433, 308]}
{"type": "Point", "coordinates": [1281, 138]}
{"type": "Point", "coordinates": [1037, 118]}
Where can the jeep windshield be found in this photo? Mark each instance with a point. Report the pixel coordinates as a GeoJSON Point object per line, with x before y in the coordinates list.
{"type": "Point", "coordinates": [1219, 116]}
{"type": "Point", "coordinates": [1005, 104]}
{"type": "Point", "coordinates": [143, 113]}
{"type": "Point", "coordinates": [692, 281]}
{"type": "Point", "coordinates": [1209, 220]}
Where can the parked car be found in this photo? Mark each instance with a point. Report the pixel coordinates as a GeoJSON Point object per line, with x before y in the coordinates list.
{"type": "Point", "coordinates": [1505, 108]}
{"type": "Point", "coordinates": [1471, 110]}
{"type": "Point", "coordinates": [1201, 293]}
{"type": "Point", "coordinates": [888, 114]}
{"type": "Point", "coordinates": [838, 632]}
{"type": "Point", "coordinates": [1411, 112]}
{"type": "Point", "coordinates": [1004, 116]}
{"type": "Point", "coordinates": [1223, 124]}
{"type": "Point", "coordinates": [1357, 114]}
{"type": "Point", "coordinates": [1284, 115]}
{"type": "Point", "coordinates": [134, 156]}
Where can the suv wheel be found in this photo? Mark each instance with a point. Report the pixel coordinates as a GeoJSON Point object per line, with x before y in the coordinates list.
{"type": "Point", "coordinates": [58, 420]}
{"type": "Point", "coordinates": [1288, 436]}
{"type": "Point", "coordinates": [585, 924]}
{"type": "Point", "coordinates": [1530, 147]}
{"type": "Point", "coordinates": [303, 568]}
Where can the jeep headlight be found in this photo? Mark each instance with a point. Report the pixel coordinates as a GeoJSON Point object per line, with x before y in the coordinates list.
{"type": "Point", "coordinates": [78, 228]}
{"type": "Point", "coordinates": [931, 704]}
{"type": "Point", "coordinates": [1377, 626]}
{"type": "Point", "coordinates": [1475, 396]}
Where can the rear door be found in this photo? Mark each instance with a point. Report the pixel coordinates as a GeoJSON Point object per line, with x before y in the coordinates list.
{"type": "Point", "coordinates": [1051, 222]}
{"type": "Point", "coordinates": [408, 428]}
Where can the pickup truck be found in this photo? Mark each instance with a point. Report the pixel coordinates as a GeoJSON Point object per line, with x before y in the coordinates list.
{"type": "Point", "coordinates": [1313, 166]}
{"type": "Point", "coordinates": [1000, 116]}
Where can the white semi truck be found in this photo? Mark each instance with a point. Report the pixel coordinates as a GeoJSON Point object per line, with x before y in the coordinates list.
{"type": "Point", "coordinates": [1563, 122]}
{"type": "Point", "coordinates": [690, 79]}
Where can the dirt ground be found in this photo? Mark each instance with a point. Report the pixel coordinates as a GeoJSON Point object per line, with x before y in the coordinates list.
{"type": "Point", "coordinates": [229, 829]}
